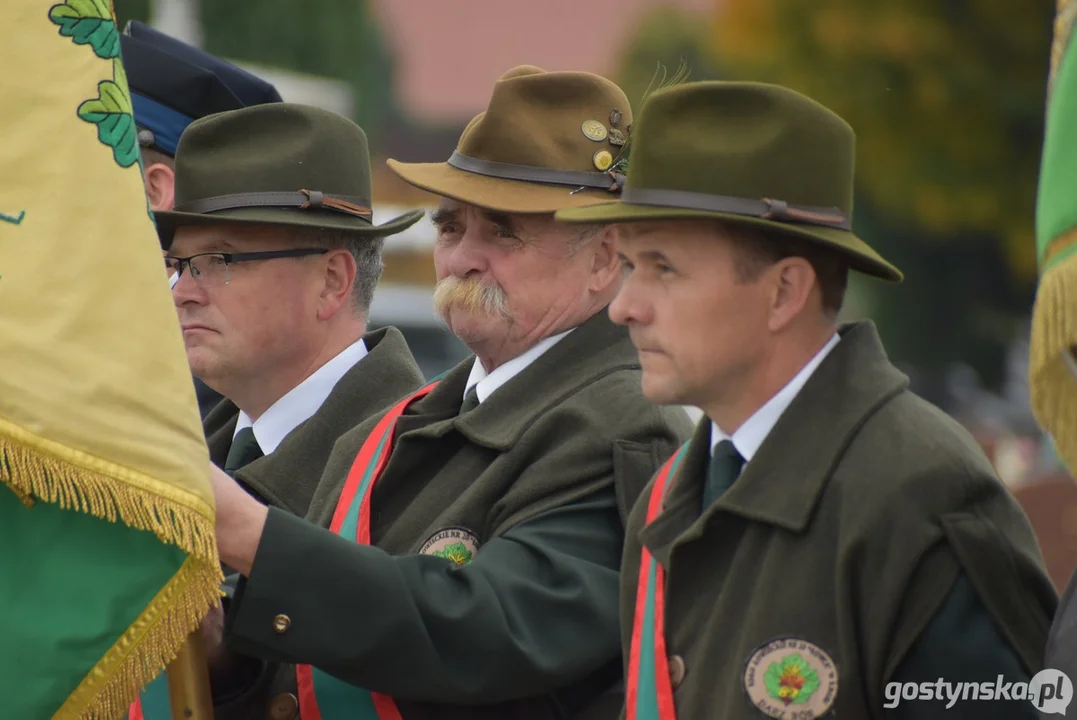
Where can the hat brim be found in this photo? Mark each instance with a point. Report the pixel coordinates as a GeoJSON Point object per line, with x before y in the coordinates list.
{"type": "Point", "coordinates": [168, 221]}
{"type": "Point", "coordinates": [860, 255]}
{"type": "Point", "coordinates": [495, 194]}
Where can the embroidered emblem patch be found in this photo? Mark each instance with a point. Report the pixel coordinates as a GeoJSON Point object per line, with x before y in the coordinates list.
{"type": "Point", "coordinates": [457, 544]}
{"type": "Point", "coordinates": [791, 679]}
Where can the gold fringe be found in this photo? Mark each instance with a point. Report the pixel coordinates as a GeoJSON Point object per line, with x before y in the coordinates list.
{"type": "Point", "coordinates": [1053, 380]}
{"type": "Point", "coordinates": [146, 648]}
{"type": "Point", "coordinates": [33, 468]}
{"type": "Point", "coordinates": [36, 473]}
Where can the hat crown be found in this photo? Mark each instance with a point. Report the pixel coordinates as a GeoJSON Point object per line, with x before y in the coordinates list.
{"type": "Point", "coordinates": [277, 147]}
{"type": "Point", "coordinates": [744, 140]}
{"type": "Point", "coordinates": [536, 118]}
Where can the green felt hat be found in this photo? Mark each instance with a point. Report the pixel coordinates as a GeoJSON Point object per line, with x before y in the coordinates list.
{"type": "Point", "coordinates": [745, 153]}
{"type": "Point", "coordinates": [276, 164]}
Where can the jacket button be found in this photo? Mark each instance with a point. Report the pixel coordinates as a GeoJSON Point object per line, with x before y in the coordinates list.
{"type": "Point", "coordinates": [281, 623]}
{"type": "Point", "coordinates": [284, 707]}
{"type": "Point", "coordinates": [676, 671]}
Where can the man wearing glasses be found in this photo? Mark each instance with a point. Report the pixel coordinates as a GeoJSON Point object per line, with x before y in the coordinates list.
{"type": "Point", "coordinates": [275, 259]}
{"type": "Point", "coordinates": [172, 85]}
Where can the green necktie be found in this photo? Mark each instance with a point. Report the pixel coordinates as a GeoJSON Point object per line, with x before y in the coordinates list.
{"type": "Point", "coordinates": [244, 450]}
{"type": "Point", "coordinates": [724, 468]}
{"type": "Point", "coordinates": [471, 400]}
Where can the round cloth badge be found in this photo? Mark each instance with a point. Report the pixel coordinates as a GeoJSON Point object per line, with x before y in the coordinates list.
{"type": "Point", "coordinates": [791, 679]}
{"type": "Point", "coordinates": [456, 543]}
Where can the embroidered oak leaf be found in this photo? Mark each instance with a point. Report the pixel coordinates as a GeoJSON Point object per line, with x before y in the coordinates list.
{"type": "Point", "coordinates": [111, 111]}
{"type": "Point", "coordinates": [457, 552]}
{"type": "Point", "coordinates": [88, 22]}
{"type": "Point", "coordinates": [792, 680]}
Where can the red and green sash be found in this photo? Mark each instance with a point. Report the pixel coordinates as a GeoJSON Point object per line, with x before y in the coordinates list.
{"type": "Point", "coordinates": [321, 696]}
{"type": "Point", "coordinates": [649, 691]}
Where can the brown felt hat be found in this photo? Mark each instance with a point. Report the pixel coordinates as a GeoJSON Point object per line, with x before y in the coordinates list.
{"type": "Point", "coordinates": [745, 153]}
{"type": "Point", "coordinates": [275, 164]}
{"type": "Point", "coordinates": [547, 141]}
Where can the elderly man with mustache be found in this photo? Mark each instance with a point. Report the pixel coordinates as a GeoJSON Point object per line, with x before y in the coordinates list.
{"type": "Point", "coordinates": [471, 561]}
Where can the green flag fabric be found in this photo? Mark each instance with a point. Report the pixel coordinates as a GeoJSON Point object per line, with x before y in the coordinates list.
{"type": "Point", "coordinates": [1052, 364]}
{"type": "Point", "coordinates": [108, 559]}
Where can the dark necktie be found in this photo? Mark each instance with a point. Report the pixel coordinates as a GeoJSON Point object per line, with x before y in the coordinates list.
{"type": "Point", "coordinates": [471, 400]}
{"type": "Point", "coordinates": [244, 450]}
{"type": "Point", "coordinates": [724, 468]}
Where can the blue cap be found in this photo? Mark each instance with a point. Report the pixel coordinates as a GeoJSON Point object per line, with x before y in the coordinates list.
{"type": "Point", "coordinates": [173, 84]}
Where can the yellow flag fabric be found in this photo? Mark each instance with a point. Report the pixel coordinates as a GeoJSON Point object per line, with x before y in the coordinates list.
{"type": "Point", "coordinates": [1052, 365]}
{"type": "Point", "coordinates": [98, 415]}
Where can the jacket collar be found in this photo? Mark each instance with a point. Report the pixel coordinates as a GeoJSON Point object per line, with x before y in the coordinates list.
{"type": "Point", "coordinates": [595, 349]}
{"type": "Point", "coordinates": [287, 477]}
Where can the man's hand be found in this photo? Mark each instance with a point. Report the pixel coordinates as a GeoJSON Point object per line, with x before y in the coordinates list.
{"type": "Point", "coordinates": [240, 521]}
{"type": "Point", "coordinates": [213, 635]}
{"type": "Point", "coordinates": [225, 668]}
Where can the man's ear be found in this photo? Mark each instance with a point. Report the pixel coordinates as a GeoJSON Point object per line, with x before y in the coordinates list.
{"type": "Point", "coordinates": [794, 282]}
{"type": "Point", "coordinates": [606, 267]}
{"type": "Point", "coordinates": [339, 284]}
{"type": "Point", "coordinates": [160, 186]}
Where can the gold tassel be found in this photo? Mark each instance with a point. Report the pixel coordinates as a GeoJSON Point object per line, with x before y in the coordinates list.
{"type": "Point", "coordinates": [1052, 368]}
{"type": "Point", "coordinates": [155, 638]}
{"type": "Point", "coordinates": [145, 649]}
{"type": "Point", "coordinates": [36, 473]}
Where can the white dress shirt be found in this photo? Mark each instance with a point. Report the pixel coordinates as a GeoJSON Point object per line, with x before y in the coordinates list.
{"type": "Point", "coordinates": [754, 431]}
{"type": "Point", "coordinates": [485, 383]}
{"type": "Point", "coordinates": [302, 401]}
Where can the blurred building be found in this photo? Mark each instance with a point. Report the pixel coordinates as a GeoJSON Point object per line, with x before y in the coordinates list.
{"type": "Point", "coordinates": [448, 55]}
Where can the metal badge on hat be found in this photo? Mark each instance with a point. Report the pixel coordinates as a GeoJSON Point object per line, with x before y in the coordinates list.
{"type": "Point", "coordinates": [604, 160]}
{"type": "Point", "coordinates": [594, 130]}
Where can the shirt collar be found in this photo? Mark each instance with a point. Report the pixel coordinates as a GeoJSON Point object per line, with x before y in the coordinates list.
{"type": "Point", "coordinates": [302, 401]}
{"type": "Point", "coordinates": [754, 431]}
{"type": "Point", "coordinates": [486, 383]}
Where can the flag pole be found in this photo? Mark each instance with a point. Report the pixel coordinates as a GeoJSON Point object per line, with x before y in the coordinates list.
{"type": "Point", "coordinates": [188, 681]}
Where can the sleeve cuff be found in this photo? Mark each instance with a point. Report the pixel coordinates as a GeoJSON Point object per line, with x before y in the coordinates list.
{"type": "Point", "coordinates": [270, 613]}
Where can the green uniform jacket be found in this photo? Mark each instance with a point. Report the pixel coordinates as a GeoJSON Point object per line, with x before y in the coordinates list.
{"type": "Point", "coordinates": [541, 476]}
{"type": "Point", "coordinates": [864, 510]}
{"type": "Point", "coordinates": [286, 478]}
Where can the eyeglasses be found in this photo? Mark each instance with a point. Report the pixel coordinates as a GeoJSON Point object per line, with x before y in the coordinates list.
{"type": "Point", "coordinates": [212, 269]}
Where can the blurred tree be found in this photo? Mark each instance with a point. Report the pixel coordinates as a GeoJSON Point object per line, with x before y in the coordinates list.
{"type": "Point", "coordinates": [334, 38]}
{"type": "Point", "coordinates": [667, 39]}
{"type": "Point", "coordinates": [959, 302]}
{"type": "Point", "coordinates": [946, 97]}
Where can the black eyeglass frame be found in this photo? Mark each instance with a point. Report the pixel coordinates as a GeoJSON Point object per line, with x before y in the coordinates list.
{"type": "Point", "coordinates": [230, 258]}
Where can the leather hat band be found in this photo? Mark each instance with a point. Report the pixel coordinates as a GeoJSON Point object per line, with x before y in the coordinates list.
{"type": "Point", "coordinates": [303, 200]}
{"type": "Point", "coordinates": [611, 181]}
{"type": "Point", "coordinates": [767, 209]}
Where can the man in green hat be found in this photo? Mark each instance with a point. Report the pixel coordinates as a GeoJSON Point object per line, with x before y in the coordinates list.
{"type": "Point", "coordinates": [277, 259]}
{"type": "Point", "coordinates": [827, 542]}
{"type": "Point", "coordinates": [470, 565]}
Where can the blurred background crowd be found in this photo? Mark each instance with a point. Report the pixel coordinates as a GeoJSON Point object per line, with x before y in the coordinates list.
{"type": "Point", "coordinates": [946, 98]}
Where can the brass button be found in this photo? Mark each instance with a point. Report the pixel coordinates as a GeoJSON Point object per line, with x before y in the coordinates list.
{"type": "Point", "coordinates": [284, 707]}
{"type": "Point", "coordinates": [281, 623]}
{"type": "Point", "coordinates": [676, 671]}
